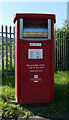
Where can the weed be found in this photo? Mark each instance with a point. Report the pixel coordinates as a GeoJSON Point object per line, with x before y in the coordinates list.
{"type": "Point", "coordinates": [58, 107]}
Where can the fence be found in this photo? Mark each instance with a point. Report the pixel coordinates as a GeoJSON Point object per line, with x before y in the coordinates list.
{"type": "Point", "coordinates": [60, 51]}
{"type": "Point", "coordinates": [8, 50]}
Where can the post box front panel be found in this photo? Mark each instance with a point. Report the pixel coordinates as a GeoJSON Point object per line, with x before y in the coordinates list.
{"type": "Point", "coordinates": [34, 52]}
{"type": "Point", "coordinates": [35, 72]}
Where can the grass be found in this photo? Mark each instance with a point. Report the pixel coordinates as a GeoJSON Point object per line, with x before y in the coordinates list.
{"type": "Point", "coordinates": [58, 107]}
{"type": "Point", "coordinates": [8, 87]}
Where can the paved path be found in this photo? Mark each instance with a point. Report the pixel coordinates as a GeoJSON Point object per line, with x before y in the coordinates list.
{"type": "Point", "coordinates": [41, 118]}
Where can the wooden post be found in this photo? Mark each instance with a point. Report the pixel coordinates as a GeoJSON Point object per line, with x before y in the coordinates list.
{"type": "Point", "coordinates": [2, 51]}
{"type": "Point", "coordinates": [6, 50]}
{"type": "Point", "coordinates": [63, 51]}
{"type": "Point", "coordinates": [59, 51]}
{"type": "Point", "coordinates": [55, 50]}
{"type": "Point", "coordinates": [10, 53]}
{"type": "Point", "coordinates": [14, 48]}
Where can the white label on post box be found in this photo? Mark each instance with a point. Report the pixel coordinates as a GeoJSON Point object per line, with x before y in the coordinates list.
{"type": "Point", "coordinates": [35, 81]}
{"type": "Point", "coordinates": [35, 76]}
{"type": "Point", "coordinates": [35, 44]}
{"type": "Point", "coordinates": [35, 53]}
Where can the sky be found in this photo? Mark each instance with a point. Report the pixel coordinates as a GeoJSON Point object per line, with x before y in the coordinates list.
{"type": "Point", "coordinates": [8, 9]}
{"type": "Point", "coordinates": [68, 10]}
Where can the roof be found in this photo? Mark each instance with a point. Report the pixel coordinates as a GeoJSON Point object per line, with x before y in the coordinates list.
{"type": "Point", "coordinates": [34, 15]}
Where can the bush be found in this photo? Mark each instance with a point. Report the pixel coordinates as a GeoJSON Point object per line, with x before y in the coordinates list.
{"type": "Point", "coordinates": [8, 93]}
{"type": "Point", "coordinates": [10, 110]}
{"type": "Point", "coordinates": [14, 111]}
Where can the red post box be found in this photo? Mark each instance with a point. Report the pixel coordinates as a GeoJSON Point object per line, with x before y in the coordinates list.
{"type": "Point", "coordinates": [34, 58]}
